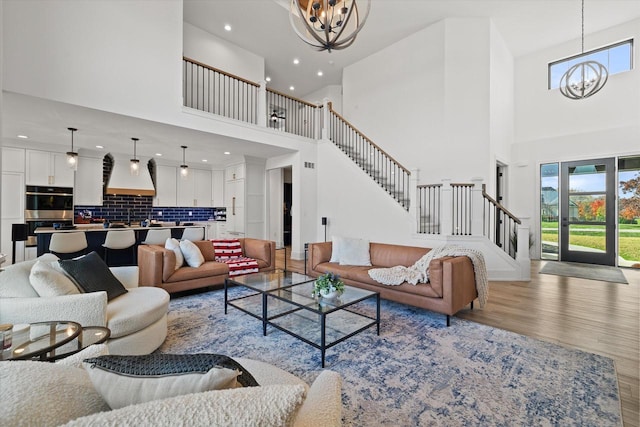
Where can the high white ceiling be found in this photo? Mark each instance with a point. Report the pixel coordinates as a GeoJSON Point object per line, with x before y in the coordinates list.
{"type": "Point", "coordinates": [262, 27]}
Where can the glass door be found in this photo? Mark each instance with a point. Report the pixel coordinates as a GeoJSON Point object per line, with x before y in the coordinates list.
{"type": "Point", "coordinates": [587, 211]}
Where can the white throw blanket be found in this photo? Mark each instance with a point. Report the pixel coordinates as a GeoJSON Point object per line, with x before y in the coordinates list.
{"type": "Point", "coordinates": [419, 272]}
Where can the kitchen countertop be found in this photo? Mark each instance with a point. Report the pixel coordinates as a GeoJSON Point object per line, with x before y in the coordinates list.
{"type": "Point", "coordinates": [99, 227]}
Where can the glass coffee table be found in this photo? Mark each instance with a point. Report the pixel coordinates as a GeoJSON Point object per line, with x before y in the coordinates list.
{"type": "Point", "coordinates": [283, 300]}
{"type": "Point", "coordinates": [50, 341]}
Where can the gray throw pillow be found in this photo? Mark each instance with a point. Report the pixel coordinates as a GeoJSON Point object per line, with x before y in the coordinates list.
{"type": "Point", "coordinates": [91, 274]}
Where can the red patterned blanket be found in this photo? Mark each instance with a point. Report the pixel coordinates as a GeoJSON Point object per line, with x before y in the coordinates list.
{"type": "Point", "coordinates": [240, 265]}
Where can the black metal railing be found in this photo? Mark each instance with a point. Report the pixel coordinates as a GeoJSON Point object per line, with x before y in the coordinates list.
{"type": "Point", "coordinates": [291, 115]}
{"type": "Point", "coordinates": [428, 199]}
{"type": "Point", "coordinates": [499, 225]}
{"type": "Point", "coordinates": [380, 166]}
{"type": "Point", "coordinates": [461, 209]}
{"type": "Point", "coordinates": [215, 91]}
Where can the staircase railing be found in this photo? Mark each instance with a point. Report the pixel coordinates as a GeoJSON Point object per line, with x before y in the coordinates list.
{"type": "Point", "coordinates": [291, 115]}
{"type": "Point", "coordinates": [499, 225]}
{"type": "Point", "coordinates": [461, 209]}
{"type": "Point", "coordinates": [428, 208]}
{"type": "Point", "coordinates": [215, 91]}
{"type": "Point", "coordinates": [384, 169]}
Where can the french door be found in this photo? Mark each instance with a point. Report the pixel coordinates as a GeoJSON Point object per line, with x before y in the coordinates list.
{"type": "Point", "coordinates": [587, 211]}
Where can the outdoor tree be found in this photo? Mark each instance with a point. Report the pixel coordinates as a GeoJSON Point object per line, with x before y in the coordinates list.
{"type": "Point", "coordinates": [630, 206]}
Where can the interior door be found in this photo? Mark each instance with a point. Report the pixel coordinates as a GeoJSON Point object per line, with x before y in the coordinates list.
{"type": "Point", "coordinates": [587, 211]}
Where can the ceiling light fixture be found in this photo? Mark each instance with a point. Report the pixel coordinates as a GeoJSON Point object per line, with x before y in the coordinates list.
{"type": "Point", "coordinates": [72, 156]}
{"type": "Point", "coordinates": [226, 153]}
{"type": "Point", "coordinates": [134, 164]}
{"type": "Point", "coordinates": [584, 78]}
{"type": "Point", "coordinates": [100, 146]}
{"type": "Point", "coordinates": [296, 61]}
{"type": "Point", "coordinates": [328, 24]}
{"type": "Point", "coordinates": [184, 168]}
{"type": "Point", "coordinates": [268, 78]}
{"type": "Point", "coordinates": [292, 88]}
{"type": "Point", "coordinates": [23, 137]}
{"type": "Point", "coordinates": [159, 154]}
{"type": "Point", "coordinates": [320, 73]}
{"type": "Point", "coordinates": [227, 27]}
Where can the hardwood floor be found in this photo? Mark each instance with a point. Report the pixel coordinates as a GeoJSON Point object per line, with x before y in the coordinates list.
{"type": "Point", "coordinates": [597, 317]}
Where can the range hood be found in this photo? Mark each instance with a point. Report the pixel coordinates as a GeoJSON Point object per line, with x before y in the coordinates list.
{"type": "Point", "coordinates": [122, 182]}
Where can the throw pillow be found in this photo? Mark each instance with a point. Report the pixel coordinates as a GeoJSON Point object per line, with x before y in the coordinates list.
{"type": "Point", "coordinates": [335, 249]}
{"type": "Point", "coordinates": [49, 281]}
{"type": "Point", "coordinates": [268, 406]}
{"type": "Point", "coordinates": [46, 394]}
{"type": "Point", "coordinates": [351, 251]}
{"type": "Point", "coordinates": [227, 249]}
{"type": "Point", "coordinates": [192, 254]}
{"type": "Point", "coordinates": [174, 245]}
{"type": "Point", "coordinates": [14, 280]}
{"type": "Point", "coordinates": [125, 380]}
{"type": "Point", "coordinates": [91, 274]}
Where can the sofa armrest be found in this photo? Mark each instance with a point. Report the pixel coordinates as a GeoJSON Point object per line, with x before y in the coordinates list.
{"type": "Point", "coordinates": [150, 264]}
{"type": "Point", "coordinates": [458, 281]}
{"type": "Point", "coordinates": [317, 254]}
{"type": "Point", "coordinates": [89, 309]}
{"type": "Point", "coordinates": [323, 404]}
{"type": "Point", "coordinates": [258, 249]}
{"type": "Point", "coordinates": [127, 275]}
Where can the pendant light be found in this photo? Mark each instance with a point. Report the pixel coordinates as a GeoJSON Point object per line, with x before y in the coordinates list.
{"type": "Point", "coordinates": [72, 156]}
{"type": "Point", "coordinates": [134, 165]}
{"type": "Point", "coordinates": [184, 169]}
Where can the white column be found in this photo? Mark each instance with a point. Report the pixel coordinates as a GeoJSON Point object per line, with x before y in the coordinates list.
{"type": "Point", "coordinates": [413, 198]}
{"type": "Point", "coordinates": [446, 212]}
{"type": "Point", "coordinates": [262, 104]}
{"type": "Point", "coordinates": [522, 254]}
{"type": "Point", "coordinates": [477, 203]}
{"type": "Point", "coordinates": [325, 119]}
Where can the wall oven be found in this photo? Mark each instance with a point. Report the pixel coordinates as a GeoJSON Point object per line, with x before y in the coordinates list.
{"type": "Point", "coordinates": [45, 206]}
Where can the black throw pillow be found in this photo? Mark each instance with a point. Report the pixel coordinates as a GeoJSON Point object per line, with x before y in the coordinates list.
{"type": "Point", "coordinates": [91, 274]}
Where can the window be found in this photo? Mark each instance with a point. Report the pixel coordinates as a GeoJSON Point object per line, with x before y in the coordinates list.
{"type": "Point", "coordinates": [618, 58]}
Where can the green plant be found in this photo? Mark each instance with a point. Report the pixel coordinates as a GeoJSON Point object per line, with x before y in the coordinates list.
{"type": "Point", "coordinates": [328, 282]}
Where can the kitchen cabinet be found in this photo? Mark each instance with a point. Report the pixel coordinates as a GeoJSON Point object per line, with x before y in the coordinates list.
{"type": "Point", "coordinates": [46, 168]}
{"type": "Point", "coordinates": [234, 201]}
{"type": "Point", "coordinates": [195, 189]}
{"type": "Point", "coordinates": [166, 186]}
{"type": "Point", "coordinates": [12, 159]}
{"type": "Point", "coordinates": [88, 188]}
{"type": "Point", "coordinates": [12, 205]}
{"type": "Point", "coordinates": [244, 195]}
{"type": "Point", "coordinates": [217, 188]}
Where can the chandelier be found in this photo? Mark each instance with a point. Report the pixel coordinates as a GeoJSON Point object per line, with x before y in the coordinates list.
{"type": "Point", "coordinates": [584, 78]}
{"type": "Point", "coordinates": [328, 24]}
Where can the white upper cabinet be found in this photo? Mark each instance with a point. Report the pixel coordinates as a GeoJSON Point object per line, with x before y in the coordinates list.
{"type": "Point", "coordinates": [45, 168]}
{"type": "Point", "coordinates": [166, 186]}
{"type": "Point", "coordinates": [88, 188]}
{"type": "Point", "coordinates": [194, 190]}
{"type": "Point", "coordinates": [12, 159]}
{"type": "Point", "coordinates": [217, 189]}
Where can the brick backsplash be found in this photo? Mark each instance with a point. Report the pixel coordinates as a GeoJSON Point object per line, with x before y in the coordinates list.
{"type": "Point", "coordinates": [120, 208]}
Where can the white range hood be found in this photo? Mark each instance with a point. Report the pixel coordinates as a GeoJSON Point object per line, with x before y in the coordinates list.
{"type": "Point", "coordinates": [122, 182]}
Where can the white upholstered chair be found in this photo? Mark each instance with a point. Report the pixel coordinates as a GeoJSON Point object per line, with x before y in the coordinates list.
{"type": "Point", "coordinates": [69, 244]}
{"type": "Point", "coordinates": [157, 236]}
{"type": "Point", "coordinates": [119, 240]}
{"type": "Point", "coordinates": [193, 234]}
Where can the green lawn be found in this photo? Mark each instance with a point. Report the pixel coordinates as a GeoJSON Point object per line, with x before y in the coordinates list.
{"type": "Point", "coordinates": [629, 243]}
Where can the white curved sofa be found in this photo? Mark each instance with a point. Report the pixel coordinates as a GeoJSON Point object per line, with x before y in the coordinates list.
{"type": "Point", "coordinates": [137, 319]}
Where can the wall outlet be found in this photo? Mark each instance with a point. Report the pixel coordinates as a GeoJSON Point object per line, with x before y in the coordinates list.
{"type": "Point", "coordinates": [190, 213]}
{"type": "Point", "coordinates": [159, 213]}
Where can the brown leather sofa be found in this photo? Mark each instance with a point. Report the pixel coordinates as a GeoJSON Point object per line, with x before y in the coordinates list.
{"type": "Point", "coordinates": [451, 283]}
{"type": "Point", "coordinates": [157, 265]}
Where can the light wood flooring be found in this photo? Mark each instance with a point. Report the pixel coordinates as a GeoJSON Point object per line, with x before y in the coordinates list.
{"type": "Point", "coordinates": [593, 316]}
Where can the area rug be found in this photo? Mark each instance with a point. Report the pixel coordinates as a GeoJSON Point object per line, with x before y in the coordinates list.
{"type": "Point", "coordinates": [419, 372]}
{"type": "Point", "coordinates": [584, 271]}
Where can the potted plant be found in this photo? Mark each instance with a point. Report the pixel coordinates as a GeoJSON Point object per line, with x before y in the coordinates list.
{"type": "Point", "coordinates": [328, 285]}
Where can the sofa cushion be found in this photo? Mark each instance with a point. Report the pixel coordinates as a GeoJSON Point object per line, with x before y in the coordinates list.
{"type": "Point", "coordinates": [208, 269]}
{"type": "Point", "coordinates": [127, 380]}
{"type": "Point", "coordinates": [385, 255]}
{"type": "Point", "coordinates": [14, 279]}
{"type": "Point", "coordinates": [174, 245]}
{"type": "Point", "coordinates": [49, 280]}
{"type": "Point", "coordinates": [136, 310]}
{"type": "Point", "coordinates": [192, 254]}
{"type": "Point", "coordinates": [206, 248]}
{"type": "Point", "coordinates": [269, 406]}
{"type": "Point", "coordinates": [46, 394]}
{"type": "Point", "coordinates": [91, 274]}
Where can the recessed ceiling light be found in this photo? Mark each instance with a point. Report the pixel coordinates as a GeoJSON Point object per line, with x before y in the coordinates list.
{"type": "Point", "coordinates": [227, 153]}
{"type": "Point", "coordinates": [268, 78]}
{"type": "Point", "coordinates": [100, 146]}
{"type": "Point", "coordinates": [296, 61]}
{"type": "Point", "coordinates": [320, 73]}
{"type": "Point", "coordinates": [23, 136]}
{"type": "Point", "coordinates": [159, 154]}
{"type": "Point", "coordinates": [227, 27]}
{"type": "Point", "coordinates": [292, 88]}
{"type": "Point", "coordinates": [205, 160]}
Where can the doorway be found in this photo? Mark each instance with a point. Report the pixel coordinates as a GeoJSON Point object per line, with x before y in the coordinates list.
{"type": "Point", "coordinates": [588, 211]}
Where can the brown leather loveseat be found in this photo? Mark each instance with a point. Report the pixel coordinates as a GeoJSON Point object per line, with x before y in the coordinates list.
{"type": "Point", "coordinates": [451, 283]}
{"type": "Point", "coordinates": [157, 265]}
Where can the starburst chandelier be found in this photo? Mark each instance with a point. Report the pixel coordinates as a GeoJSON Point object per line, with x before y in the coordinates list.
{"type": "Point", "coordinates": [328, 24]}
{"type": "Point", "coordinates": [584, 78]}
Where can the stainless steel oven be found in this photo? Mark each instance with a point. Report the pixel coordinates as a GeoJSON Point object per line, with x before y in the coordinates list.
{"type": "Point", "coordinates": [45, 206]}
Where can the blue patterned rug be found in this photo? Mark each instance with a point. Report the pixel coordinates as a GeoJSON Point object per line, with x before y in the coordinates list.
{"type": "Point", "coordinates": [418, 372]}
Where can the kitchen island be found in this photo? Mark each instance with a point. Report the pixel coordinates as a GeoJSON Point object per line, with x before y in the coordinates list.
{"type": "Point", "coordinates": [96, 235]}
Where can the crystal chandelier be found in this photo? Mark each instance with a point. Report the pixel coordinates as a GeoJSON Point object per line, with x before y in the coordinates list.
{"type": "Point", "coordinates": [328, 24]}
{"type": "Point", "coordinates": [584, 78]}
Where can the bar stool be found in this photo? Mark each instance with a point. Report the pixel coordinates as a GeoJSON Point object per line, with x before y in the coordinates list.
{"type": "Point", "coordinates": [68, 245]}
{"type": "Point", "coordinates": [193, 234]}
{"type": "Point", "coordinates": [119, 240]}
{"type": "Point", "coordinates": [157, 237]}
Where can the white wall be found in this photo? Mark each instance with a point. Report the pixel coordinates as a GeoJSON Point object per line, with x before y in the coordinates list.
{"type": "Point", "coordinates": [331, 92]}
{"type": "Point", "coordinates": [210, 50]}
{"type": "Point", "coordinates": [552, 128]}
{"type": "Point", "coordinates": [115, 56]}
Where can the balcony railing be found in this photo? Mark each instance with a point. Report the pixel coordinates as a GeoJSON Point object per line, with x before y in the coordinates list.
{"type": "Point", "coordinates": [291, 115]}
